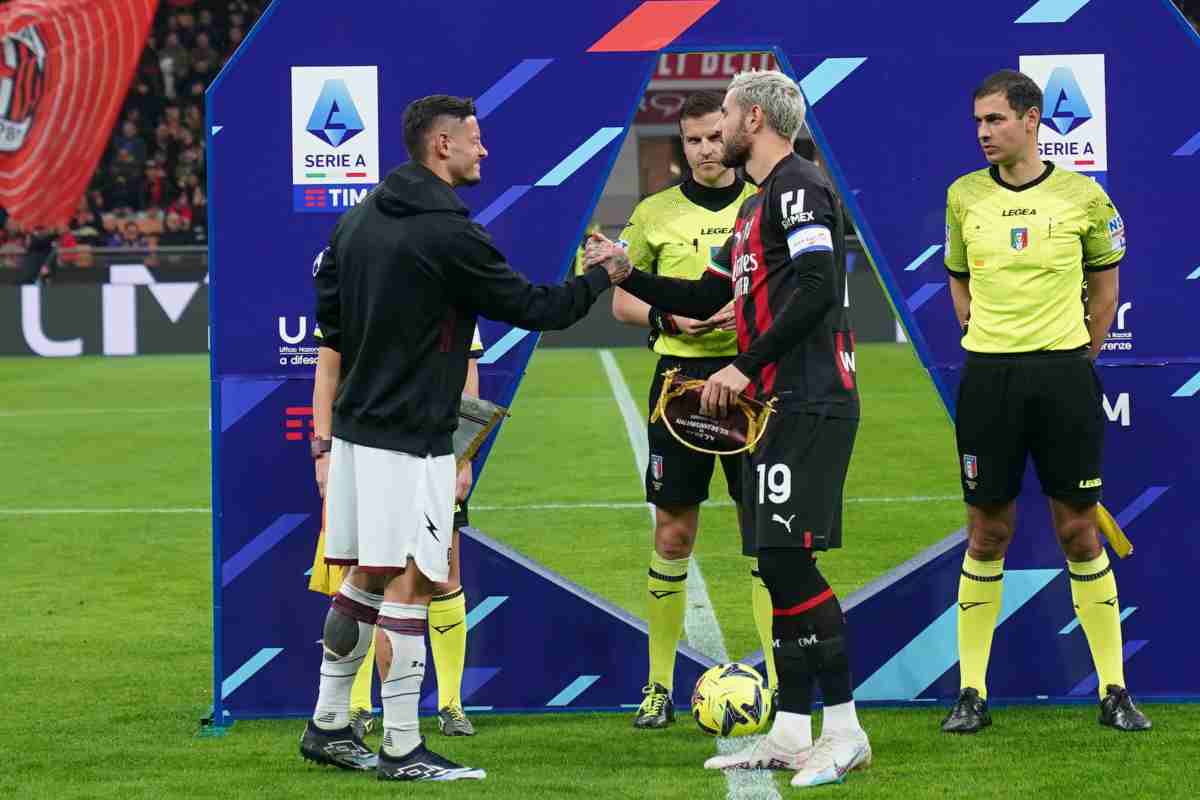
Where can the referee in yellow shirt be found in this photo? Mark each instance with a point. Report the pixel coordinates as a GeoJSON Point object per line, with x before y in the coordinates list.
{"type": "Point", "coordinates": [1023, 238]}
{"type": "Point", "coordinates": [674, 233]}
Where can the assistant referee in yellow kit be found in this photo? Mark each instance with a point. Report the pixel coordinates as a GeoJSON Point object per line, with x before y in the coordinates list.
{"type": "Point", "coordinates": [1023, 239]}
{"type": "Point", "coordinates": [674, 233]}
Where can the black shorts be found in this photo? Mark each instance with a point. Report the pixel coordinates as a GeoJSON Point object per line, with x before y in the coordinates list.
{"type": "Point", "coordinates": [1048, 405]}
{"type": "Point", "coordinates": [461, 519]}
{"type": "Point", "coordinates": [676, 475]}
{"type": "Point", "coordinates": [793, 483]}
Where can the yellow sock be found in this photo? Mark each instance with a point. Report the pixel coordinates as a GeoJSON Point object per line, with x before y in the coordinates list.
{"type": "Point", "coordinates": [979, 590]}
{"type": "Point", "coordinates": [448, 641]}
{"type": "Point", "coordinates": [760, 600]}
{"type": "Point", "coordinates": [360, 692]}
{"type": "Point", "coordinates": [1094, 592]}
{"type": "Point", "coordinates": [666, 605]}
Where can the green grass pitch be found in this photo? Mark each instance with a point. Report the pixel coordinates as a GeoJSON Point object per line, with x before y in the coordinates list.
{"type": "Point", "coordinates": [106, 640]}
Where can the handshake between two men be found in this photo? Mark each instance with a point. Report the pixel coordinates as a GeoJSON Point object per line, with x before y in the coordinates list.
{"type": "Point", "coordinates": [722, 389]}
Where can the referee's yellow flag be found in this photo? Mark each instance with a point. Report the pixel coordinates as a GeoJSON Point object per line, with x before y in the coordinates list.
{"type": "Point", "coordinates": [1112, 531]}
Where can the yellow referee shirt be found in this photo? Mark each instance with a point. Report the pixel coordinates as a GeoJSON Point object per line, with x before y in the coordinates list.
{"type": "Point", "coordinates": [675, 233]}
{"type": "Point", "coordinates": [1026, 250]}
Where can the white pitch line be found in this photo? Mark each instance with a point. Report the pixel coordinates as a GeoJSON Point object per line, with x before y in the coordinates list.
{"type": "Point", "coordinates": [624, 506]}
{"type": "Point", "coordinates": [700, 622]}
{"type": "Point", "coordinates": [41, 512]}
{"type": "Point", "coordinates": [56, 412]}
{"type": "Point", "coordinates": [932, 498]}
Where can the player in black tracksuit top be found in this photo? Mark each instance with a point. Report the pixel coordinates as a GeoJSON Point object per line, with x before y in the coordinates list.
{"type": "Point", "coordinates": [399, 288]}
{"type": "Point", "coordinates": [785, 267]}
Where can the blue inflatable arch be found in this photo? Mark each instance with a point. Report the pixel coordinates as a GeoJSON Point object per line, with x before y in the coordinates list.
{"type": "Point", "coordinates": [888, 86]}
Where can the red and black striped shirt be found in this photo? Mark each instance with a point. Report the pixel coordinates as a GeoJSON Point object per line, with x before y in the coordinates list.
{"type": "Point", "coordinates": [785, 267]}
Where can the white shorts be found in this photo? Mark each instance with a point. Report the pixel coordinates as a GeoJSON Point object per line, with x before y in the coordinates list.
{"type": "Point", "coordinates": [384, 507]}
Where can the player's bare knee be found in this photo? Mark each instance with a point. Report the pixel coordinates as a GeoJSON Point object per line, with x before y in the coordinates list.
{"type": "Point", "coordinates": [989, 542]}
{"type": "Point", "coordinates": [989, 532]}
{"type": "Point", "coordinates": [447, 587]}
{"type": "Point", "coordinates": [1077, 537]}
{"type": "Point", "coordinates": [674, 537]}
{"type": "Point", "coordinates": [411, 587]}
{"type": "Point", "coordinates": [373, 582]}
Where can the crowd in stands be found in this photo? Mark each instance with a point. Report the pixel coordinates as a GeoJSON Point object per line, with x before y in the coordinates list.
{"type": "Point", "coordinates": [1191, 10]}
{"type": "Point", "coordinates": [148, 190]}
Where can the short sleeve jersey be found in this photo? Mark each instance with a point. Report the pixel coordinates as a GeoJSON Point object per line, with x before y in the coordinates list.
{"type": "Point", "coordinates": [1026, 250]}
{"type": "Point", "coordinates": [795, 212]}
{"type": "Point", "coordinates": [673, 236]}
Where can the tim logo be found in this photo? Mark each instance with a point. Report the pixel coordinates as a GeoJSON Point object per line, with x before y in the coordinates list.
{"type": "Point", "coordinates": [335, 118]}
{"type": "Point", "coordinates": [328, 198]}
{"type": "Point", "coordinates": [314, 197]}
{"type": "Point", "coordinates": [22, 84]}
{"type": "Point", "coordinates": [298, 423]}
{"type": "Point", "coordinates": [1066, 106]}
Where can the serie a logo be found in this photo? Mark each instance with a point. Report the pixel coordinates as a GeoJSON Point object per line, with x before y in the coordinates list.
{"type": "Point", "coordinates": [22, 84]}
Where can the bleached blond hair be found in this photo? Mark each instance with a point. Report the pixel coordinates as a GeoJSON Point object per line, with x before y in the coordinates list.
{"type": "Point", "coordinates": [776, 94]}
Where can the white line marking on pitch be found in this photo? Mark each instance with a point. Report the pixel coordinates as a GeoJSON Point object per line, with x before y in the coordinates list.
{"type": "Point", "coordinates": [700, 622]}
{"type": "Point", "coordinates": [55, 412]}
{"type": "Point", "coordinates": [939, 498]}
{"type": "Point", "coordinates": [527, 507]}
{"type": "Point", "coordinates": [39, 512]}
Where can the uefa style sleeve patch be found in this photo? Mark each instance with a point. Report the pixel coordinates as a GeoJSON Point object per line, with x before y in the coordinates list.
{"type": "Point", "coordinates": [809, 239]}
{"type": "Point", "coordinates": [1116, 233]}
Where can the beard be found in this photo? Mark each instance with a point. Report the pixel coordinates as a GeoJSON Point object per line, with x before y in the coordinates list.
{"type": "Point", "coordinates": [471, 178]}
{"type": "Point", "coordinates": [737, 150]}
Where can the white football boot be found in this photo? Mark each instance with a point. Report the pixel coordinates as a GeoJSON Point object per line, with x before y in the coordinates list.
{"type": "Point", "coordinates": [835, 755]}
{"type": "Point", "coordinates": [763, 754]}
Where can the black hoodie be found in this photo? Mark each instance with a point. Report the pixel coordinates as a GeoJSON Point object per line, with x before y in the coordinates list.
{"type": "Point", "coordinates": [398, 289]}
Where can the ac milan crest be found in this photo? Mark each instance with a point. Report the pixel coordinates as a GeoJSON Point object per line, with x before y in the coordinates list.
{"type": "Point", "coordinates": [22, 84]}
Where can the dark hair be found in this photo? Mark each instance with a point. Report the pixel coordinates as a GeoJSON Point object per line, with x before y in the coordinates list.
{"type": "Point", "coordinates": [421, 114]}
{"type": "Point", "coordinates": [1018, 89]}
{"type": "Point", "coordinates": [699, 104]}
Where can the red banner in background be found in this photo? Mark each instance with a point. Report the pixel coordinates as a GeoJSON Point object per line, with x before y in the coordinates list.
{"type": "Point", "coordinates": [708, 66]}
{"type": "Point", "coordinates": [660, 107]}
{"type": "Point", "coordinates": [679, 74]}
{"type": "Point", "coordinates": [65, 66]}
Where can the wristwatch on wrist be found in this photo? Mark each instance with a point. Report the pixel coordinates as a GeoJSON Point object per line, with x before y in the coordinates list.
{"type": "Point", "coordinates": [319, 447]}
